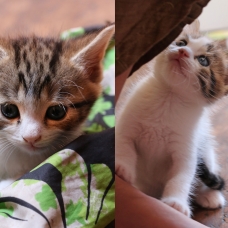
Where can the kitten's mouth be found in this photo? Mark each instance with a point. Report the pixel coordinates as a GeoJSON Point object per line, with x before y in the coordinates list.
{"type": "Point", "coordinates": [31, 147]}
{"type": "Point", "coordinates": [177, 63]}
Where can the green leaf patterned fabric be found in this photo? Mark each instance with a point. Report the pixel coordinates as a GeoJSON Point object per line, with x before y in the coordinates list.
{"type": "Point", "coordinates": [69, 189]}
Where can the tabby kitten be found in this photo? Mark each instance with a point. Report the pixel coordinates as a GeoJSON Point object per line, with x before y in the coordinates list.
{"type": "Point", "coordinates": [47, 87]}
{"type": "Point", "coordinates": [163, 142]}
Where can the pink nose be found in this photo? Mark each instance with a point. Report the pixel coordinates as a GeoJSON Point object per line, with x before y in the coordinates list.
{"type": "Point", "coordinates": [183, 53]}
{"type": "Point", "coordinates": [32, 140]}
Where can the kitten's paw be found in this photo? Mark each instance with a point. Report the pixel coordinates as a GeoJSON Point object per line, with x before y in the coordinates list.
{"type": "Point", "coordinates": [180, 206]}
{"type": "Point", "coordinates": [211, 199]}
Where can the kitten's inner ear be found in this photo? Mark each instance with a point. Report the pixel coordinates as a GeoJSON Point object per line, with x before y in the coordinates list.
{"type": "Point", "coordinates": [3, 54]}
{"type": "Point", "coordinates": [193, 28]}
{"type": "Point", "coordinates": [89, 58]}
{"type": "Point", "coordinates": [226, 74]}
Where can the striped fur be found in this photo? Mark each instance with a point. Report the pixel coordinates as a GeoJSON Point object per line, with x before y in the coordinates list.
{"type": "Point", "coordinates": [36, 74]}
{"type": "Point", "coordinates": [213, 80]}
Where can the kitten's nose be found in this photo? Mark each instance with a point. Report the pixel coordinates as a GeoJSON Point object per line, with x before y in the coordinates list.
{"type": "Point", "coordinates": [183, 53]}
{"type": "Point", "coordinates": [32, 139]}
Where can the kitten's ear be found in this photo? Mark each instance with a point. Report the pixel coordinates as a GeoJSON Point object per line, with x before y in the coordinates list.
{"type": "Point", "coordinates": [224, 47]}
{"type": "Point", "coordinates": [226, 78]}
{"type": "Point", "coordinates": [90, 56]}
{"type": "Point", "coordinates": [193, 28]}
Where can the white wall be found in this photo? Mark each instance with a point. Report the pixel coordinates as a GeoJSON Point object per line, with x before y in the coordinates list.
{"type": "Point", "coordinates": [214, 16]}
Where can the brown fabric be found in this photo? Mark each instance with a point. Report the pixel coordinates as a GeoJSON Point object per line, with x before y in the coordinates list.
{"type": "Point", "coordinates": [150, 25]}
{"type": "Point", "coordinates": [135, 209]}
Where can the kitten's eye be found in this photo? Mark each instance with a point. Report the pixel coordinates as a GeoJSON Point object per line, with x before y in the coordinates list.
{"type": "Point", "coordinates": [10, 111]}
{"type": "Point", "coordinates": [56, 112]}
{"type": "Point", "coordinates": [203, 60]}
{"type": "Point", "coordinates": [181, 43]}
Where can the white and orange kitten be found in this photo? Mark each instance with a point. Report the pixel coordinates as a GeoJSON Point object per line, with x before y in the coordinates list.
{"type": "Point", "coordinates": [47, 87]}
{"type": "Point", "coordinates": [163, 142]}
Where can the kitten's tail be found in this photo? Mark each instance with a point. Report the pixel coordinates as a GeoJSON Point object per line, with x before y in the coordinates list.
{"type": "Point", "coordinates": [211, 180]}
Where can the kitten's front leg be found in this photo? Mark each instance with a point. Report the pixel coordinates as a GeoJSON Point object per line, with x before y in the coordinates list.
{"type": "Point", "coordinates": [125, 160]}
{"type": "Point", "coordinates": [178, 187]}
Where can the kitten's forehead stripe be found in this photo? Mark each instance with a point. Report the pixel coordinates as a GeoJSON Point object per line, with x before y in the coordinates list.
{"type": "Point", "coordinates": [24, 55]}
{"type": "Point", "coordinates": [45, 82]}
{"type": "Point", "coordinates": [28, 67]}
{"type": "Point", "coordinates": [210, 47]}
{"type": "Point", "coordinates": [39, 49]}
{"type": "Point", "coordinates": [16, 46]}
{"type": "Point", "coordinates": [22, 81]}
{"type": "Point", "coordinates": [55, 57]}
{"type": "Point", "coordinates": [41, 68]}
{"type": "Point", "coordinates": [34, 42]}
{"type": "Point", "coordinates": [46, 57]}
{"type": "Point", "coordinates": [49, 44]}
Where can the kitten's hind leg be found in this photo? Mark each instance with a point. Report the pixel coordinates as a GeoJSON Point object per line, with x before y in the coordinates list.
{"type": "Point", "coordinates": [209, 198]}
{"type": "Point", "coordinates": [210, 183]}
{"type": "Point", "coordinates": [210, 179]}
{"type": "Point", "coordinates": [208, 190]}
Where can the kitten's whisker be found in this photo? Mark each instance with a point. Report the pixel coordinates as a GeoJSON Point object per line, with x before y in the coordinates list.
{"type": "Point", "coordinates": [78, 87]}
{"type": "Point", "coordinates": [6, 162]}
{"type": "Point", "coordinates": [61, 104]}
{"type": "Point", "coordinates": [190, 72]}
{"type": "Point", "coordinates": [198, 86]}
{"type": "Point", "coordinates": [5, 146]}
{"type": "Point", "coordinates": [8, 149]}
{"type": "Point", "coordinates": [67, 93]}
{"type": "Point", "coordinates": [175, 72]}
{"type": "Point", "coordinates": [188, 63]}
{"type": "Point", "coordinates": [70, 102]}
